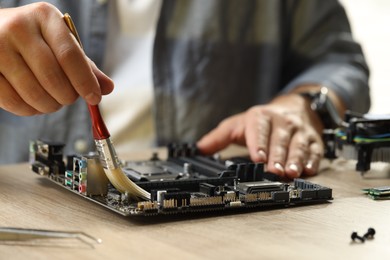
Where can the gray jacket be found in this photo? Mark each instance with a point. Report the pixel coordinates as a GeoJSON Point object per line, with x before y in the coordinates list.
{"type": "Point", "coordinates": [212, 59]}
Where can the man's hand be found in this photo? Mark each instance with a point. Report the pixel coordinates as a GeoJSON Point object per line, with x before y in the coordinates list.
{"type": "Point", "coordinates": [42, 67]}
{"type": "Point", "coordinates": [285, 134]}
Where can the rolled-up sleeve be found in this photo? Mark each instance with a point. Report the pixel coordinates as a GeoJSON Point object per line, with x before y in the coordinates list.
{"type": "Point", "coordinates": [322, 51]}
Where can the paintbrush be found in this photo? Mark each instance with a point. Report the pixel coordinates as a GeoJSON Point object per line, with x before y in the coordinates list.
{"type": "Point", "coordinates": [105, 148]}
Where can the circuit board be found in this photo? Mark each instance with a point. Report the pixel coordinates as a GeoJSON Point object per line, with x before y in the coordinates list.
{"type": "Point", "coordinates": [364, 138]}
{"type": "Point", "coordinates": [185, 182]}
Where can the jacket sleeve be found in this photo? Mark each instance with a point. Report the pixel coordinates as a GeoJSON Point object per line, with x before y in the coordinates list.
{"type": "Point", "coordinates": [320, 50]}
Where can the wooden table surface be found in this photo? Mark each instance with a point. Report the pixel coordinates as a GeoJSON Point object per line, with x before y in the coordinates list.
{"type": "Point", "coordinates": [308, 232]}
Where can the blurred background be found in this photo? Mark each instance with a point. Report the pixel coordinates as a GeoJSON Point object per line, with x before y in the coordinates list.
{"type": "Point", "coordinates": [370, 21]}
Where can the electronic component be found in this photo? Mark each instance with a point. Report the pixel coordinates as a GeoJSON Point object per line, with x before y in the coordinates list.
{"type": "Point", "coordinates": [183, 183]}
{"type": "Point", "coordinates": [365, 138]}
{"type": "Point", "coordinates": [47, 158]}
{"type": "Point", "coordinates": [90, 176]}
{"type": "Point", "coordinates": [378, 193]}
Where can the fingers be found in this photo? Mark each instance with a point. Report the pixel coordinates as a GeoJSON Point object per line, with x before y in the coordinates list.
{"type": "Point", "coordinates": [13, 103]}
{"type": "Point", "coordinates": [213, 141]}
{"type": "Point", "coordinates": [279, 146]}
{"type": "Point", "coordinates": [106, 84]}
{"type": "Point", "coordinates": [25, 84]}
{"type": "Point", "coordinates": [230, 130]}
{"type": "Point", "coordinates": [298, 153]}
{"type": "Point", "coordinates": [304, 156]}
{"type": "Point", "coordinates": [294, 149]}
{"type": "Point", "coordinates": [45, 68]}
{"type": "Point", "coordinates": [240, 129]}
{"type": "Point", "coordinates": [316, 151]}
{"type": "Point", "coordinates": [291, 145]}
{"type": "Point", "coordinates": [42, 66]}
{"type": "Point", "coordinates": [257, 131]}
{"type": "Point", "coordinates": [284, 141]}
{"type": "Point", "coordinates": [69, 55]}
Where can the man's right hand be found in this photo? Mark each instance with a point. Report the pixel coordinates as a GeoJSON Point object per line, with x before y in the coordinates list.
{"type": "Point", "coordinates": [42, 66]}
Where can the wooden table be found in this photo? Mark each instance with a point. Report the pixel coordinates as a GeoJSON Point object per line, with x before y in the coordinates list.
{"type": "Point", "coordinates": [309, 232]}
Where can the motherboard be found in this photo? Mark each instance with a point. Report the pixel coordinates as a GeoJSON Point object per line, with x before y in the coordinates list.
{"type": "Point", "coordinates": [184, 182]}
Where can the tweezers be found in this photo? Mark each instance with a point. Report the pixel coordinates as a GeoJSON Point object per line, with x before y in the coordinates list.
{"type": "Point", "coordinates": [23, 234]}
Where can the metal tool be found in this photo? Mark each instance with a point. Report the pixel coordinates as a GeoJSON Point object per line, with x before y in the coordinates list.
{"type": "Point", "coordinates": [25, 234]}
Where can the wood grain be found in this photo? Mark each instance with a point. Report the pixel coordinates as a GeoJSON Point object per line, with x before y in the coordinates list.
{"type": "Point", "coordinates": [318, 231]}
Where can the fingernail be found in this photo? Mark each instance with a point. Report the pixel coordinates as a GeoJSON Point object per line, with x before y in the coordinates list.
{"type": "Point", "coordinates": [279, 167]}
{"type": "Point", "coordinates": [309, 165]}
{"type": "Point", "coordinates": [93, 98]}
{"type": "Point", "coordinates": [262, 155]}
{"type": "Point", "coordinates": [293, 167]}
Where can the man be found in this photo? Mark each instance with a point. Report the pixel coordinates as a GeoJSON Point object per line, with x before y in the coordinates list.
{"type": "Point", "coordinates": [240, 63]}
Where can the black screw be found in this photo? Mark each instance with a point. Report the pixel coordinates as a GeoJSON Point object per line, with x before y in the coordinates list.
{"type": "Point", "coordinates": [354, 236]}
{"type": "Point", "coordinates": [370, 234]}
